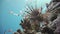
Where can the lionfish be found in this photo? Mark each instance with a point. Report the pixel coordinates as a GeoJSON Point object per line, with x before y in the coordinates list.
{"type": "Point", "coordinates": [31, 23]}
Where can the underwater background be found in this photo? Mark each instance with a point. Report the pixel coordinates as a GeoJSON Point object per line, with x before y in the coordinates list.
{"type": "Point", "coordinates": [11, 22]}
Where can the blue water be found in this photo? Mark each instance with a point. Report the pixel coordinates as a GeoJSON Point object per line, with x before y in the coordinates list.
{"type": "Point", "coordinates": [8, 21]}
